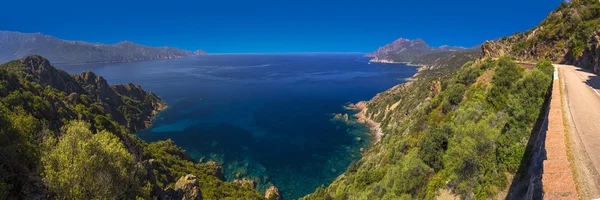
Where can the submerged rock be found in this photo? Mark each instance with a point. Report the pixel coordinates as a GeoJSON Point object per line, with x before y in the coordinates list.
{"type": "Point", "coordinates": [273, 193]}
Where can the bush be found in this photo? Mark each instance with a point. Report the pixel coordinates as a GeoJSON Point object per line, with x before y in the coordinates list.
{"type": "Point", "coordinates": [83, 165]}
{"type": "Point", "coordinates": [433, 145]}
{"type": "Point", "coordinates": [506, 74]}
{"type": "Point", "coordinates": [546, 67]}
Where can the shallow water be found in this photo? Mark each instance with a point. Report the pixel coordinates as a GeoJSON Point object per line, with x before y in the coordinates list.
{"type": "Point", "coordinates": [265, 117]}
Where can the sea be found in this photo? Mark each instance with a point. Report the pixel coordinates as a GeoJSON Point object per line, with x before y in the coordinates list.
{"type": "Point", "coordinates": [264, 117]}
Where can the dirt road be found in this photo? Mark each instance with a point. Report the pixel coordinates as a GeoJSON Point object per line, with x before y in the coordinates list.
{"type": "Point", "coordinates": [581, 94]}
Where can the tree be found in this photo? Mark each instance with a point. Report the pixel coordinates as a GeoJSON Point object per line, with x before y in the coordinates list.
{"type": "Point", "coordinates": [546, 67]}
{"type": "Point", "coordinates": [83, 165]}
{"type": "Point", "coordinates": [506, 74]}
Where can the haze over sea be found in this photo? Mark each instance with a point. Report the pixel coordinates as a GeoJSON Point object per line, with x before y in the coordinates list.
{"type": "Point", "coordinates": [265, 117]}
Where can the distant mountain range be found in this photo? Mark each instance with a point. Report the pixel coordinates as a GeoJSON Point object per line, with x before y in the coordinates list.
{"type": "Point", "coordinates": [15, 45]}
{"type": "Point", "coordinates": [405, 50]}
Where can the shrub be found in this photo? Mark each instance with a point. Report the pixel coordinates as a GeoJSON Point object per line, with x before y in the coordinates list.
{"type": "Point", "coordinates": [83, 165]}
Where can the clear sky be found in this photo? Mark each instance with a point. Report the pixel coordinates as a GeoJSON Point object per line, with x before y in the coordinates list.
{"type": "Point", "coordinates": [231, 26]}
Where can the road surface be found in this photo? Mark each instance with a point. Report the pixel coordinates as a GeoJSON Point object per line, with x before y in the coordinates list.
{"type": "Point", "coordinates": [581, 103]}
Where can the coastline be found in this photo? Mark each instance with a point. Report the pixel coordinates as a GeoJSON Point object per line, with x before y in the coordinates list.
{"type": "Point", "coordinates": [361, 106]}
{"type": "Point", "coordinates": [158, 107]}
{"type": "Point", "coordinates": [364, 119]}
{"type": "Point", "coordinates": [386, 61]}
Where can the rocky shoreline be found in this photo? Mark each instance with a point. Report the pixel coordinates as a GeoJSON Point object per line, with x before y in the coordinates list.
{"type": "Point", "coordinates": [362, 118]}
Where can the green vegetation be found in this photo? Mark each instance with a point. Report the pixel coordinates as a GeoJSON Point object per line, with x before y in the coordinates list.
{"type": "Point", "coordinates": [57, 140]}
{"type": "Point", "coordinates": [562, 36]}
{"type": "Point", "coordinates": [82, 165]}
{"type": "Point", "coordinates": [466, 138]}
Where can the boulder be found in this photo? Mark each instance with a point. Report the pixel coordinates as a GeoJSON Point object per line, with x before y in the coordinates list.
{"type": "Point", "coordinates": [187, 188]}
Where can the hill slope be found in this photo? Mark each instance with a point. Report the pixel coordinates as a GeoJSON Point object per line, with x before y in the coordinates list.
{"type": "Point", "coordinates": [570, 34]}
{"type": "Point", "coordinates": [68, 137]}
{"type": "Point", "coordinates": [405, 50]}
{"type": "Point", "coordinates": [14, 45]}
{"type": "Point", "coordinates": [464, 132]}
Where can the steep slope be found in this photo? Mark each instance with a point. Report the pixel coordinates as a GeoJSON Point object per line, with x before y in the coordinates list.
{"type": "Point", "coordinates": [570, 34]}
{"type": "Point", "coordinates": [15, 45]}
{"type": "Point", "coordinates": [405, 50]}
{"type": "Point", "coordinates": [463, 132]}
{"type": "Point", "coordinates": [67, 137]}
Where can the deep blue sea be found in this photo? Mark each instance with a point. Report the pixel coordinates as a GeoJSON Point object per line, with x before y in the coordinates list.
{"type": "Point", "coordinates": [266, 117]}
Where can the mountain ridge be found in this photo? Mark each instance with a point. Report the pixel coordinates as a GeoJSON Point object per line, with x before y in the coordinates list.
{"type": "Point", "coordinates": [15, 45]}
{"type": "Point", "coordinates": [404, 50]}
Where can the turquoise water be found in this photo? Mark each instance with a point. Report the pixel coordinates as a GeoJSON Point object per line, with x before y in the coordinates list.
{"type": "Point", "coordinates": [264, 117]}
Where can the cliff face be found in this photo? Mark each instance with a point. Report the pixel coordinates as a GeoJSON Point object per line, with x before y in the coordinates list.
{"type": "Point", "coordinates": [591, 55]}
{"type": "Point", "coordinates": [568, 35]}
{"type": "Point", "coordinates": [14, 45]}
{"type": "Point", "coordinates": [128, 104]}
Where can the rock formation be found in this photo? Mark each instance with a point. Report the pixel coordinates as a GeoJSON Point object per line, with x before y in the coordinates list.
{"type": "Point", "coordinates": [217, 169]}
{"type": "Point", "coordinates": [127, 104]}
{"type": "Point", "coordinates": [272, 193]}
{"type": "Point", "coordinates": [591, 55]}
{"type": "Point", "coordinates": [186, 188]}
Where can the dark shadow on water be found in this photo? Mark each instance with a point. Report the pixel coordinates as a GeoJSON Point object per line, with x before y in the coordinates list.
{"type": "Point", "coordinates": [527, 182]}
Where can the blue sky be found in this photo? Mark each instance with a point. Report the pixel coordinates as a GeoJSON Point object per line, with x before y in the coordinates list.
{"type": "Point", "coordinates": [229, 26]}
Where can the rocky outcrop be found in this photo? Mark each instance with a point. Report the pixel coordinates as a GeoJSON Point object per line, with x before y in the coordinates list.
{"type": "Point", "coordinates": [217, 169]}
{"type": "Point", "coordinates": [46, 75]}
{"type": "Point", "coordinates": [246, 183]}
{"type": "Point", "coordinates": [186, 188]}
{"type": "Point", "coordinates": [493, 49]}
{"type": "Point", "coordinates": [272, 193]}
{"type": "Point", "coordinates": [127, 104]}
{"type": "Point", "coordinates": [436, 88]}
{"type": "Point", "coordinates": [591, 55]}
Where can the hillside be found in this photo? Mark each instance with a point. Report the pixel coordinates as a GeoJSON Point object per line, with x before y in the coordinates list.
{"type": "Point", "coordinates": [570, 34]}
{"type": "Point", "coordinates": [68, 137]}
{"type": "Point", "coordinates": [413, 51]}
{"type": "Point", "coordinates": [14, 45]}
{"type": "Point", "coordinates": [460, 132]}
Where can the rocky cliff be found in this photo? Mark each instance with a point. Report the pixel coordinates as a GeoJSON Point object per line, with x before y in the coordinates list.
{"type": "Point", "coordinates": [568, 35]}
{"type": "Point", "coordinates": [14, 45]}
{"type": "Point", "coordinates": [127, 104]}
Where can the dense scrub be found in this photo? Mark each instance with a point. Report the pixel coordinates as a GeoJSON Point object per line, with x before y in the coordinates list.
{"type": "Point", "coordinates": [464, 132]}
{"type": "Point", "coordinates": [58, 140]}
{"type": "Point", "coordinates": [568, 35]}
